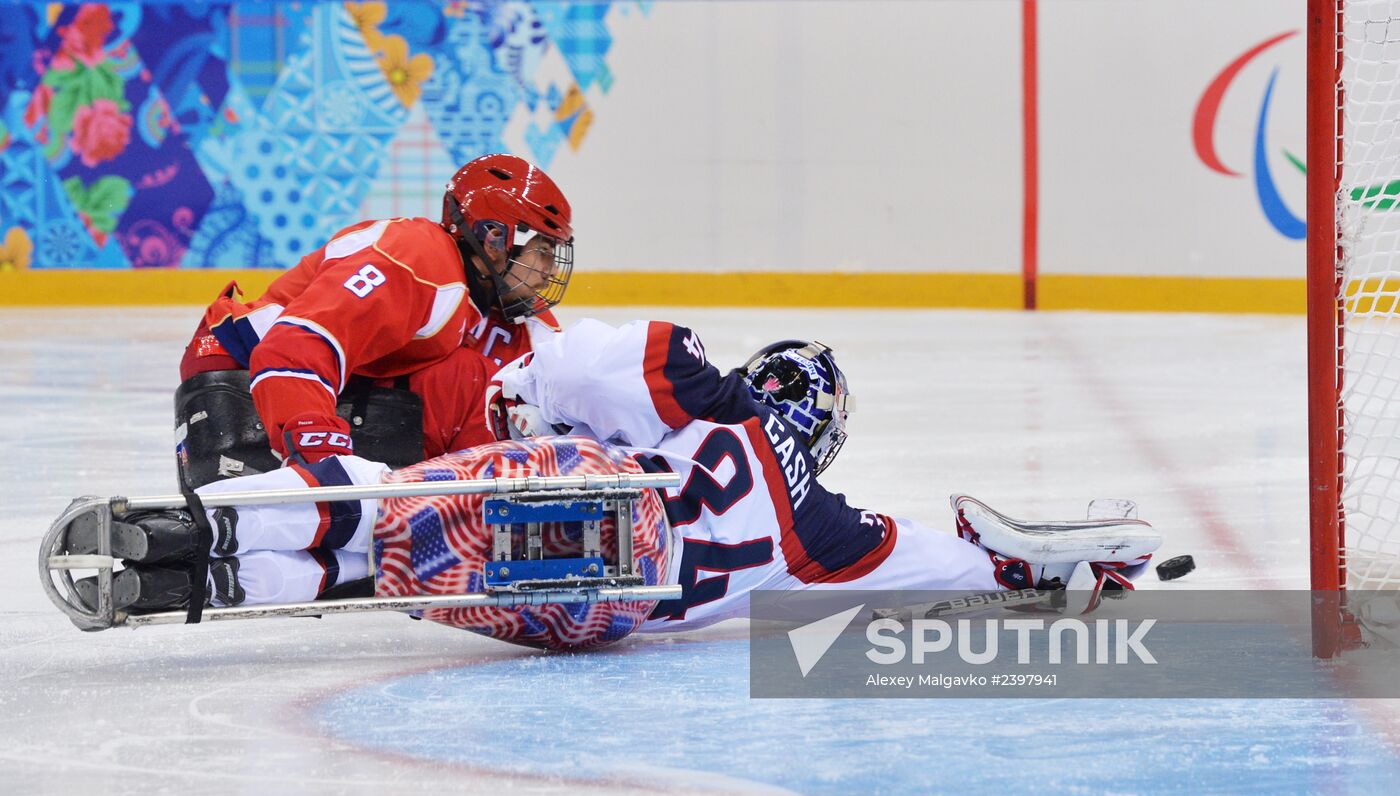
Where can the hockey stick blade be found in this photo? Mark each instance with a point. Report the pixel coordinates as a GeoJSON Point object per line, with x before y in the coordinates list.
{"type": "Point", "coordinates": [969, 604]}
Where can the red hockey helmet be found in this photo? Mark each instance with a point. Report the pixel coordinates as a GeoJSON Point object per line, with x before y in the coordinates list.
{"type": "Point", "coordinates": [508, 212]}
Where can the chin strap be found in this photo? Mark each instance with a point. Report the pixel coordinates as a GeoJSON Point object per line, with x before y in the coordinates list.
{"type": "Point", "coordinates": [483, 293]}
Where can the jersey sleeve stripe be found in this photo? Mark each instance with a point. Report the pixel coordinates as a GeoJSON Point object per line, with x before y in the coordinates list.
{"type": "Point", "coordinates": [326, 337]}
{"type": "Point", "coordinates": [330, 567]}
{"type": "Point", "coordinates": [323, 514]}
{"type": "Point", "coordinates": [274, 373]}
{"type": "Point", "coordinates": [346, 245]}
{"type": "Point", "coordinates": [473, 315]}
{"type": "Point", "coordinates": [775, 479]}
{"type": "Point", "coordinates": [343, 516]}
{"type": "Point", "coordinates": [239, 334]}
{"type": "Point", "coordinates": [400, 263]}
{"type": "Point", "coordinates": [663, 395]}
{"type": "Point", "coordinates": [868, 562]}
{"type": "Point", "coordinates": [800, 564]}
{"type": "Point", "coordinates": [444, 305]}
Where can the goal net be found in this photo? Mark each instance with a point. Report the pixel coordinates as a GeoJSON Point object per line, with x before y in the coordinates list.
{"type": "Point", "coordinates": [1354, 293]}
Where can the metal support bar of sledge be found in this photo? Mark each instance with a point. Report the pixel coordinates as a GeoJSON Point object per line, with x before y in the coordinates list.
{"type": "Point", "coordinates": [53, 563]}
{"type": "Point", "coordinates": [482, 486]}
{"type": "Point", "coordinates": [408, 604]}
{"type": "Point", "coordinates": [624, 538]}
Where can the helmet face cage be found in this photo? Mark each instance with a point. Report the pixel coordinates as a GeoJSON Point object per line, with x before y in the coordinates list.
{"type": "Point", "coordinates": [801, 382]}
{"type": "Point", "coordinates": [546, 281]}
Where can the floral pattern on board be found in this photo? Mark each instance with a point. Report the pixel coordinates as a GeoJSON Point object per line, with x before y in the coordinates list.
{"type": "Point", "coordinates": [109, 135]}
{"type": "Point", "coordinates": [238, 134]}
{"type": "Point", "coordinates": [15, 250]}
{"type": "Point", "coordinates": [405, 75]}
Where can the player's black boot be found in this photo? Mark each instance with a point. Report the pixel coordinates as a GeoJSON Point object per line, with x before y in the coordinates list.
{"type": "Point", "coordinates": [141, 589]}
{"type": "Point", "coordinates": [150, 537]}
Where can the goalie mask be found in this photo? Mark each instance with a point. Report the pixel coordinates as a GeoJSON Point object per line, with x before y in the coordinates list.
{"type": "Point", "coordinates": [512, 217]}
{"type": "Point", "coordinates": [800, 380]}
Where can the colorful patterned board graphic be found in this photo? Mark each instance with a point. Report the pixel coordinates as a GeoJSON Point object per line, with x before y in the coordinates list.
{"type": "Point", "coordinates": [244, 134]}
{"type": "Point", "coordinates": [437, 544]}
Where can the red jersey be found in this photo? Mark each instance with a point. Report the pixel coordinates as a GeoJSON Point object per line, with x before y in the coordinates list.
{"type": "Point", "coordinates": [501, 341]}
{"type": "Point", "coordinates": [381, 299]}
{"type": "Point", "coordinates": [454, 389]}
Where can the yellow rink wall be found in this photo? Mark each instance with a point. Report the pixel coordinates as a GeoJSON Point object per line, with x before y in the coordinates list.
{"type": "Point", "coordinates": [732, 289]}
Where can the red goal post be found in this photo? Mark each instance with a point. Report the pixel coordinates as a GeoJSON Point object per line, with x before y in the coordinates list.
{"type": "Point", "coordinates": [1353, 275]}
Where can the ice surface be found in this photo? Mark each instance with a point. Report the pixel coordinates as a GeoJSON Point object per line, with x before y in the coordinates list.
{"type": "Point", "coordinates": [1200, 419]}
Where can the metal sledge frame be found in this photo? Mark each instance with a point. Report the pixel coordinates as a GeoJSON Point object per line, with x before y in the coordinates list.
{"type": "Point", "coordinates": [548, 498]}
{"type": "Point", "coordinates": [532, 511]}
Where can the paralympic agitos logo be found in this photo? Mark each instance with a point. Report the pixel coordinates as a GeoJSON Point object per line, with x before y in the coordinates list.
{"type": "Point", "coordinates": [1288, 224]}
{"type": "Point", "coordinates": [1382, 196]}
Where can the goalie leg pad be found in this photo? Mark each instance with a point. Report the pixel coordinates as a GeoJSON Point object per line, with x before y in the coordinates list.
{"type": "Point", "coordinates": [1119, 540]}
{"type": "Point", "coordinates": [1087, 558]}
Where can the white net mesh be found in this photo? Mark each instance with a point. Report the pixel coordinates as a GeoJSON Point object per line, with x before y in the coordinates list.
{"type": "Point", "coordinates": [1368, 206]}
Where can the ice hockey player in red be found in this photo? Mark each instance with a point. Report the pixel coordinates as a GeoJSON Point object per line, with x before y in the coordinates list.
{"type": "Point", "coordinates": [441, 303]}
{"type": "Point", "coordinates": [749, 514]}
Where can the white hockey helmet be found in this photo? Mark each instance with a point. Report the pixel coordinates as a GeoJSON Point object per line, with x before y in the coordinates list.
{"type": "Point", "coordinates": [800, 380]}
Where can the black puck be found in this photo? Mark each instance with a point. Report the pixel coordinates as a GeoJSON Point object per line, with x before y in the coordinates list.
{"type": "Point", "coordinates": [1173, 568]}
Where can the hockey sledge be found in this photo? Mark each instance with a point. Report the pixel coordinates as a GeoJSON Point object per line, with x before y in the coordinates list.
{"type": "Point", "coordinates": [515, 503]}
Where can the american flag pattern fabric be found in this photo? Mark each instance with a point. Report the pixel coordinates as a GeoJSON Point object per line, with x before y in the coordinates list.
{"type": "Point", "coordinates": [438, 544]}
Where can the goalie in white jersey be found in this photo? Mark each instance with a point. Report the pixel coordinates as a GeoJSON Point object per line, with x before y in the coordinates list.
{"type": "Point", "coordinates": [749, 514]}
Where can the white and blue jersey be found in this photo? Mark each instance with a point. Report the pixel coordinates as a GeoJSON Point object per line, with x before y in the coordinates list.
{"type": "Point", "coordinates": [749, 513]}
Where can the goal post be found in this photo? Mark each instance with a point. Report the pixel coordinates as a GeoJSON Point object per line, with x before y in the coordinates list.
{"type": "Point", "coordinates": [1353, 277]}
